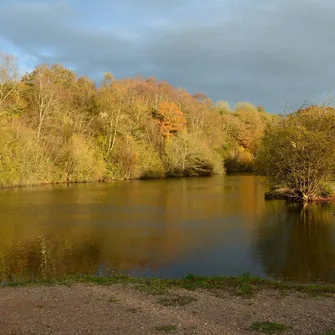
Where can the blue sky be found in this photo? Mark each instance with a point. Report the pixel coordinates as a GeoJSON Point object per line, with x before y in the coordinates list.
{"type": "Point", "coordinates": [270, 53]}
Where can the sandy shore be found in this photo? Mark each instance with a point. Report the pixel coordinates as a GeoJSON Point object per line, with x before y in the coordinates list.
{"type": "Point", "coordinates": [124, 309]}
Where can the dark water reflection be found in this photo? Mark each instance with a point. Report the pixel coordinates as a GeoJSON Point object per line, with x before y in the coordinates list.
{"type": "Point", "coordinates": [164, 228]}
{"type": "Point", "coordinates": [297, 242]}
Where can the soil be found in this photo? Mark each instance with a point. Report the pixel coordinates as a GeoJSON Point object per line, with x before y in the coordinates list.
{"type": "Point", "coordinates": [122, 309]}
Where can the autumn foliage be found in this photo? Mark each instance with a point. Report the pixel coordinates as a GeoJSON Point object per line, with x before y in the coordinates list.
{"type": "Point", "coordinates": [170, 119]}
{"type": "Point", "coordinates": [297, 154]}
{"type": "Point", "coordinates": [56, 127]}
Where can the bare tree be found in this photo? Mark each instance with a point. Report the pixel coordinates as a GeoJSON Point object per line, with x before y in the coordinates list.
{"type": "Point", "coordinates": [8, 81]}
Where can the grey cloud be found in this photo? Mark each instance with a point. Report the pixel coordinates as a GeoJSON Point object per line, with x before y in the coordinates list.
{"type": "Point", "coordinates": [47, 33]}
{"type": "Point", "coordinates": [266, 52]}
{"type": "Point", "coordinates": [267, 55]}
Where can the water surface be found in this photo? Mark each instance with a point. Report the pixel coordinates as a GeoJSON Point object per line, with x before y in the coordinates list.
{"type": "Point", "coordinates": [164, 228]}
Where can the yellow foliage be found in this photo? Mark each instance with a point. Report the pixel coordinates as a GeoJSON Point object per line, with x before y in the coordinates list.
{"type": "Point", "coordinates": [22, 160]}
{"type": "Point", "coordinates": [298, 153]}
{"type": "Point", "coordinates": [83, 162]}
{"type": "Point", "coordinates": [58, 128]}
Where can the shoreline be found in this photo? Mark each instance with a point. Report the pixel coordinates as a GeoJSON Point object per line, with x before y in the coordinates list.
{"type": "Point", "coordinates": [190, 282]}
{"type": "Point", "coordinates": [284, 194]}
{"type": "Point", "coordinates": [108, 181]}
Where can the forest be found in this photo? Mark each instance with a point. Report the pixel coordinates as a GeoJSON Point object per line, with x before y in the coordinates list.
{"type": "Point", "coordinates": [56, 127]}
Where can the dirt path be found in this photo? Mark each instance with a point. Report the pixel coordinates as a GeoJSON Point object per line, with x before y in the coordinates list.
{"type": "Point", "coordinates": [119, 309]}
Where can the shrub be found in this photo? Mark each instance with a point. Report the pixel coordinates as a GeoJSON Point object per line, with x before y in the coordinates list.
{"type": "Point", "coordinates": [298, 153]}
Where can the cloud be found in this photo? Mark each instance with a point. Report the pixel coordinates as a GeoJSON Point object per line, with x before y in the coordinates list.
{"type": "Point", "coordinates": [47, 32]}
{"type": "Point", "coordinates": [267, 55]}
{"type": "Point", "coordinates": [265, 52]}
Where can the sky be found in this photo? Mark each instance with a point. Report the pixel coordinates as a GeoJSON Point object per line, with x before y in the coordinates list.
{"type": "Point", "coordinates": [272, 53]}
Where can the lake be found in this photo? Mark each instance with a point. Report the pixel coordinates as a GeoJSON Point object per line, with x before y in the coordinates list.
{"type": "Point", "coordinates": [164, 228]}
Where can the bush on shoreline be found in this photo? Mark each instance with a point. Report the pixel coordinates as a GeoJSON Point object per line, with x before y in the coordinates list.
{"type": "Point", "coordinates": [297, 154]}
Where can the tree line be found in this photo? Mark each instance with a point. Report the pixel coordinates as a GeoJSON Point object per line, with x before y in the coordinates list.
{"type": "Point", "coordinates": [58, 127]}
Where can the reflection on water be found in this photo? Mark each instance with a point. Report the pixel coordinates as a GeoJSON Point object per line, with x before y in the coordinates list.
{"type": "Point", "coordinates": [165, 228]}
{"type": "Point", "coordinates": [297, 242]}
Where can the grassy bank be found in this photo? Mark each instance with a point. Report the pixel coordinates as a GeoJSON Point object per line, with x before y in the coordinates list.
{"type": "Point", "coordinates": [241, 285]}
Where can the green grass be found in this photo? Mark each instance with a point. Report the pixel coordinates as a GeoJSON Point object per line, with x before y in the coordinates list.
{"type": "Point", "coordinates": [269, 327]}
{"type": "Point", "coordinates": [244, 284]}
{"type": "Point", "coordinates": [331, 332]}
{"type": "Point", "coordinates": [167, 329]}
{"type": "Point", "coordinates": [245, 290]}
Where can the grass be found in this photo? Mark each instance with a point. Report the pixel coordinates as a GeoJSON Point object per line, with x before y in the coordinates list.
{"type": "Point", "coordinates": [167, 329]}
{"type": "Point", "coordinates": [245, 290]}
{"type": "Point", "coordinates": [269, 327]}
{"type": "Point", "coordinates": [331, 332]}
{"type": "Point", "coordinates": [243, 285]}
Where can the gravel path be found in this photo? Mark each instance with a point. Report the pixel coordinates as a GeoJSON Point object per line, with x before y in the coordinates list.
{"type": "Point", "coordinates": [119, 309]}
